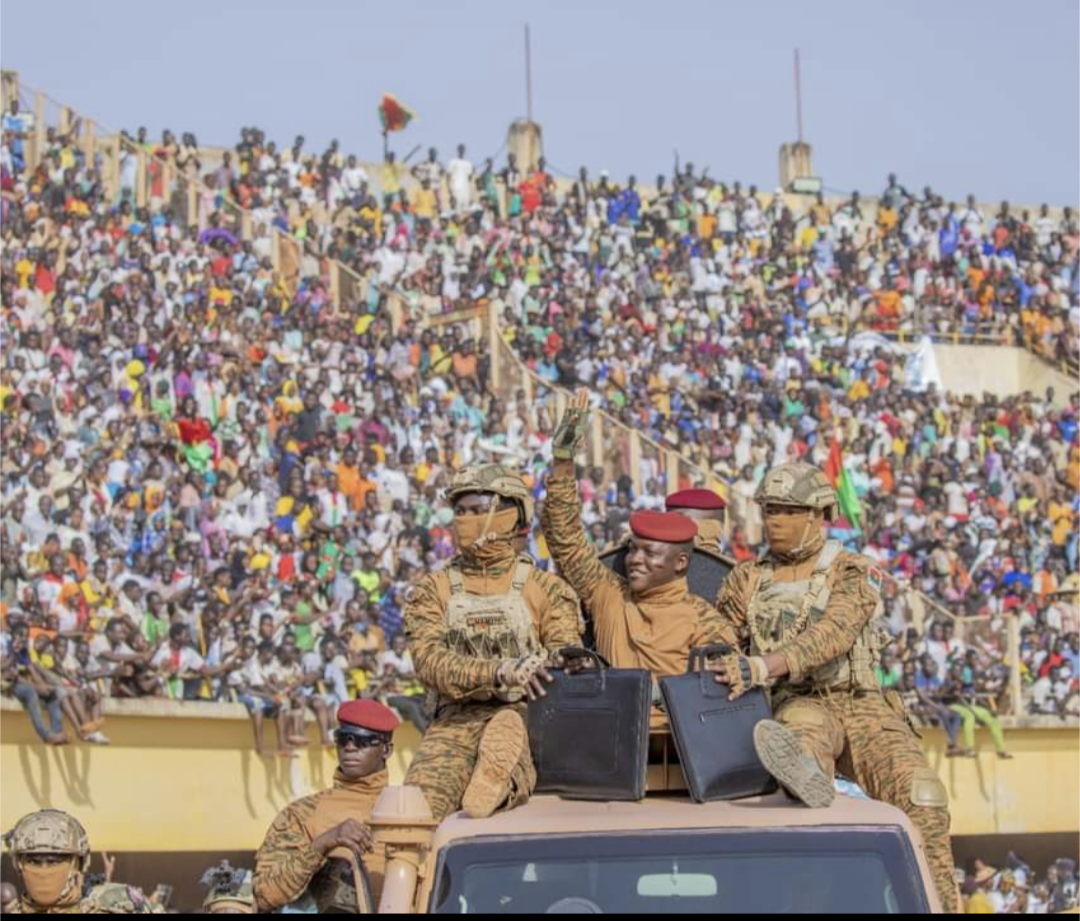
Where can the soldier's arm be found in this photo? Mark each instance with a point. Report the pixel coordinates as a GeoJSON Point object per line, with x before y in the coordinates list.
{"type": "Point", "coordinates": [851, 607]}
{"type": "Point", "coordinates": [730, 624]}
{"type": "Point", "coordinates": [714, 630]}
{"type": "Point", "coordinates": [560, 623]}
{"type": "Point", "coordinates": [439, 667]}
{"type": "Point", "coordinates": [577, 559]}
{"type": "Point", "coordinates": [285, 863]}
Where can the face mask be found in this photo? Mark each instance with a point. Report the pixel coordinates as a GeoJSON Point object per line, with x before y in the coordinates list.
{"type": "Point", "coordinates": [710, 532]}
{"type": "Point", "coordinates": [50, 886]}
{"type": "Point", "coordinates": [485, 537]}
{"type": "Point", "coordinates": [794, 538]}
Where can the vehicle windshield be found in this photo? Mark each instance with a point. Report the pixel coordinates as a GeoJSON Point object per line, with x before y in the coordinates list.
{"type": "Point", "coordinates": [820, 870]}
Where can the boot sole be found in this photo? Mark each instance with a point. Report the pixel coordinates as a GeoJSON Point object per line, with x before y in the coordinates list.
{"type": "Point", "coordinates": [783, 757]}
{"type": "Point", "coordinates": [501, 749]}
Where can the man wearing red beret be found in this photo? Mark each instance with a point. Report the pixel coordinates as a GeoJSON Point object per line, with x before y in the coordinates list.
{"type": "Point", "coordinates": [650, 619]}
{"type": "Point", "coordinates": [706, 508]}
{"type": "Point", "coordinates": [296, 863]}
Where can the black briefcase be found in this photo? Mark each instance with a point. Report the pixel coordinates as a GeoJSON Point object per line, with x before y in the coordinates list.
{"type": "Point", "coordinates": [714, 736]}
{"type": "Point", "coordinates": [590, 735]}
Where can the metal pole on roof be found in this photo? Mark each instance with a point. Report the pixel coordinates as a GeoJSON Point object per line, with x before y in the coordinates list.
{"type": "Point", "coordinates": [528, 72]}
{"type": "Point", "coordinates": [798, 94]}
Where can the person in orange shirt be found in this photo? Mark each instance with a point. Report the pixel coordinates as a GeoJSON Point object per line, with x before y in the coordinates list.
{"type": "Point", "coordinates": [882, 470]}
{"type": "Point", "coordinates": [350, 478]}
{"type": "Point", "coordinates": [888, 306]}
{"type": "Point", "coordinates": [466, 365]}
{"type": "Point", "coordinates": [1073, 473]}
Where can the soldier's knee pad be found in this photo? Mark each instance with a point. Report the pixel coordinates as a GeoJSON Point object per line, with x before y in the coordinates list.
{"type": "Point", "coordinates": [803, 714]}
{"type": "Point", "coordinates": [927, 790]}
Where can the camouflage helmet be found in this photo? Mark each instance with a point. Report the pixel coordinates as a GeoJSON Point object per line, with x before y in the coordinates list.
{"type": "Point", "coordinates": [228, 889]}
{"type": "Point", "coordinates": [49, 831]}
{"type": "Point", "coordinates": [800, 485]}
{"type": "Point", "coordinates": [495, 480]}
{"type": "Point", "coordinates": [116, 899]}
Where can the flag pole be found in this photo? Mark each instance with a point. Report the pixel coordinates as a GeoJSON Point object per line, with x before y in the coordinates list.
{"type": "Point", "coordinates": [385, 145]}
{"type": "Point", "coordinates": [528, 73]}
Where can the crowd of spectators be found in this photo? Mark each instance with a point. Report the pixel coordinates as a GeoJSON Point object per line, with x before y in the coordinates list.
{"type": "Point", "coordinates": [219, 480]}
{"type": "Point", "coordinates": [1017, 890]}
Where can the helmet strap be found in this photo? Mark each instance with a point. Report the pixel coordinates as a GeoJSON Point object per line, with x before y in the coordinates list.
{"type": "Point", "coordinates": [485, 531]}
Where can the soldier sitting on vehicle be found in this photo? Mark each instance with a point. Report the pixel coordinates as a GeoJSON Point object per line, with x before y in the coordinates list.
{"type": "Point", "coordinates": [483, 632]}
{"type": "Point", "coordinates": [807, 615]}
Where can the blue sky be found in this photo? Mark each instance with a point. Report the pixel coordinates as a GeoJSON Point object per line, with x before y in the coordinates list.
{"type": "Point", "coordinates": [966, 96]}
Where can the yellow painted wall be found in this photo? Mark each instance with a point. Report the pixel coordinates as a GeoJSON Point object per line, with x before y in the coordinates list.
{"type": "Point", "coordinates": [192, 782]}
{"type": "Point", "coordinates": [1005, 371]}
{"type": "Point", "coordinates": [1037, 792]}
{"type": "Point", "coordinates": [165, 783]}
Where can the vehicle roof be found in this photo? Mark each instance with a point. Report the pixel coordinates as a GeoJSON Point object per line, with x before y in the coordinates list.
{"type": "Point", "coordinates": [549, 815]}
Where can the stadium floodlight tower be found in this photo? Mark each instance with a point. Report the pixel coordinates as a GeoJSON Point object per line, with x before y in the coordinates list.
{"type": "Point", "coordinates": [796, 159]}
{"type": "Point", "coordinates": [525, 139]}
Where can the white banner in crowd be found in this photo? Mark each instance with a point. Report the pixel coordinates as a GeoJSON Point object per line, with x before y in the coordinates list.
{"type": "Point", "coordinates": [922, 370]}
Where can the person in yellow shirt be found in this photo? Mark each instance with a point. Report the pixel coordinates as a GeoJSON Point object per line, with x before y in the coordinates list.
{"type": "Point", "coordinates": [821, 212]}
{"type": "Point", "coordinates": [1061, 520]}
{"type": "Point", "coordinates": [424, 202]}
{"type": "Point", "coordinates": [860, 390]}
{"type": "Point", "coordinates": [390, 178]}
{"type": "Point", "coordinates": [24, 268]}
{"type": "Point", "coordinates": [887, 219]}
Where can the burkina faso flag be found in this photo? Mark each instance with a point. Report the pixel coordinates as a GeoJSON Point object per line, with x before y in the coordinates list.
{"type": "Point", "coordinates": [394, 115]}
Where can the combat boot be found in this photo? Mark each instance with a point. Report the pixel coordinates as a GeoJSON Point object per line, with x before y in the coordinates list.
{"type": "Point", "coordinates": [797, 772]}
{"type": "Point", "coordinates": [502, 747]}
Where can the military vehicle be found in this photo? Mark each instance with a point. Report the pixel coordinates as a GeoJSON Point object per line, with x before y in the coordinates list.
{"type": "Point", "coordinates": [665, 855]}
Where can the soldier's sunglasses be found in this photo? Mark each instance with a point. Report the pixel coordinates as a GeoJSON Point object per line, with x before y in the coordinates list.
{"type": "Point", "coordinates": [359, 740]}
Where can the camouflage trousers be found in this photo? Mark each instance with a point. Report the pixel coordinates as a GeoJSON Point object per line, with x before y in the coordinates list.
{"type": "Point", "coordinates": [448, 754]}
{"type": "Point", "coordinates": [868, 740]}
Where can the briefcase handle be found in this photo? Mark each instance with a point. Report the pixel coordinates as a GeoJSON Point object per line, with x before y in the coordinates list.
{"type": "Point", "coordinates": [579, 652]}
{"type": "Point", "coordinates": [701, 654]}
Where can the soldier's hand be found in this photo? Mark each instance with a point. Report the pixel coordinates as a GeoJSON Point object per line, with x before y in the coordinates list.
{"type": "Point", "coordinates": [350, 834]}
{"type": "Point", "coordinates": [535, 688]}
{"type": "Point", "coordinates": [573, 665]}
{"type": "Point", "coordinates": [528, 673]}
{"type": "Point", "coordinates": [742, 674]}
{"type": "Point", "coordinates": [572, 429]}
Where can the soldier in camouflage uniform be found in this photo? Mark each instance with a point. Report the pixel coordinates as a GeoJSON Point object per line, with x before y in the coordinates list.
{"type": "Point", "coordinates": [51, 854]}
{"type": "Point", "coordinates": [806, 619]}
{"type": "Point", "coordinates": [482, 632]}
{"type": "Point", "coordinates": [319, 850]}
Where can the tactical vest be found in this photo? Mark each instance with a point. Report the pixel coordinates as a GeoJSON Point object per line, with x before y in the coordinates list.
{"type": "Point", "coordinates": [779, 612]}
{"type": "Point", "coordinates": [492, 627]}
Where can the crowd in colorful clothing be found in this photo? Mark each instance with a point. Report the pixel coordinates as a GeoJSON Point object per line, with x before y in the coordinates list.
{"type": "Point", "coordinates": [219, 478]}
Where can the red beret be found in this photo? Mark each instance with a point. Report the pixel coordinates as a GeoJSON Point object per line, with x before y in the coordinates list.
{"type": "Point", "coordinates": [368, 714]}
{"type": "Point", "coordinates": [665, 527]}
{"type": "Point", "coordinates": [704, 500]}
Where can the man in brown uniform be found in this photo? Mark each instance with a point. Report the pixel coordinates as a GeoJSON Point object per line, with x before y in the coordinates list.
{"type": "Point", "coordinates": [650, 619]}
{"type": "Point", "coordinates": [482, 633]}
{"type": "Point", "coordinates": [806, 620]}
{"type": "Point", "coordinates": [294, 861]}
{"type": "Point", "coordinates": [707, 510]}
